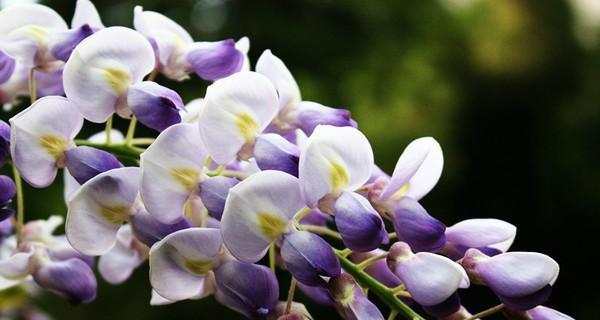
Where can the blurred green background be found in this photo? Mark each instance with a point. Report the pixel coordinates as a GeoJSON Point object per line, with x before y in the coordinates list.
{"type": "Point", "coordinates": [510, 88]}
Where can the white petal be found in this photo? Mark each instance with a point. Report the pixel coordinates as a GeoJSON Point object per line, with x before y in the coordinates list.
{"type": "Point", "coordinates": [86, 13]}
{"type": "Point", "coordinates": [158, 300]}
{"type": "Point", "coordinates": [335, 159]}
{"type": "Point", "coordinates": [237, 109]}
{"type": "Point", "coordinates": [17, 266]}
{"type": "Point", "coordinates": [244, 46]}
{"type": "Point", "coordinates": [475, 233]}
{"type": "Point", "coordinates": [99, 207]}
{"type": "Point", "coordinates": [257, 211]}
{"type": "Point", "coordinates": [420, 165]}
{"type": "Point", "coordinates": [102, 67]}
{"type": "Point", "coordinates": [40, 135]}
{"type": "Point", "coordinates": [171, 171]}
{"type": "Point", "coordinates": [191, 112]}
{"type": "Point", "coordinates": [169, 36]}
{"type": "Point", "coordinates": [274, 69]}
{"type": "Point", "coordinates": [25, 15]}
{"type": "Point", "coordinates": [117, 264]}
{"type": "Point", "coordinates": [431, 278]}
{"type": "Point", "coordinates": [180, 262]}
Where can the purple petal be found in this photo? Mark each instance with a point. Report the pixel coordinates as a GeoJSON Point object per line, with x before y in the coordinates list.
{"type": "Point", "coordinates": [247, 288]}
{"type": "Point", "coordinates": [319, 295]}
{"type": "Point", "coordinates": [215, 60]}
{"type": "Point", "coordinates": [545, 313]}
{"type": "Point", "coordinates": [273, 152]}
{"type": "Point", "coordinates": [445, 308]}
{"type": "Point", "coordinates": [4, 142]}
{"type": "Point", "coordinates": [492, 235]}
{"type": "Point", "coordinates": [149, 230]}
{"type": "Point", "coordinates": [528, 301]}
{"type": "Point", "coordinates": [416, 227]}
{"type": "Point", "coordinates": [316, 218]}
{"type": "Point", "coordinates": [309, 258]}
{"type": "Point", "coordinates": [520, 279]}
{"type": "Point", "coordinates": [7, 190]}
{"type": "Point", "coordinates": [350, 299]}
{"type": "Point", "coordinates": [359, 224]}
{"type": "Point", "coordinates": [63, 43]}
{"type": "Point", "coordinates": [312, 114]}
{"type": "Point", "coordinates": [71, 278]}
{"type": "Point", "coordinates": [214, 191]}
{"type": "Point", "coordinates": [379, 269]}
{"type": "Point", "coordinates": [7, 66]}
{"type": "Point", "coordinates": [85, 162]}
{"type": "Point", "coordinates": [155, 106]}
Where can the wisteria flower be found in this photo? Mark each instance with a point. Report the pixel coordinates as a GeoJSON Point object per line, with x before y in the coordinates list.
{"type": "Point", "coordinates": [40, 136]}
{"type": "Point", "coordinates": [177, 54]}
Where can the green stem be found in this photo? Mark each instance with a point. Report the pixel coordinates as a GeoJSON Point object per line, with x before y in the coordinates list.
{"type": "Point", "coordinates": [300, 214]}
{"type": "Point", "coordinates": [235, 174]}
{"type": "Point", "coordinates": [119, 150]}
{"type": "Point", "coordinates": [108, 129]}
{"type": "Point", "coordinates": [142, 141]}
{"type": "Point", "coordinates": [32, 86]}
{"type": "Point", "coordinates": [20, 205]}
{"type": "Point", "coordinates": [369, 261]}
{"type": "Point", "coordinates": [487, 312]}
{"type": "Point", "coordinates": [384, 293]}
{"type": "Point", "coordinates": [272, 256]}
{"type": "Point", "coordinates": [320, 230]}
{"type": "Point", "coordinates": [130, 131]}
{"type": "Point", "coordinates": [290, 297]}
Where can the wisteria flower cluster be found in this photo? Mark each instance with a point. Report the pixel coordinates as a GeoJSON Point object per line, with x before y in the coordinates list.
{"type": "Point", "coordinates": [245, 181]}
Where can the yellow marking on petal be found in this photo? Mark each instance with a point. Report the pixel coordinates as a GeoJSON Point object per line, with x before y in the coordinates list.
{"type": "Point", "coordinates": [247, 126]}
{"type": "Point", "coordinates": [339, 176]}
{"type": "Point", "coordinates": [200, 266]}
{"type": "Point", "coordinates": [271, 225]}
{"type": "Point", "coordinates": [54, 145]}
{"type": "Point", "coordinates": [188, 178]}
{"type": "Point", "coordinates": [347, 295]}
{"type": "Point", "coordinates": [115, 214]}
{"type": "Point", "coordinates": [401, 192]}
{"type": "Point", "coordinates": [39, 34]}
{"type": "Point", "coordinates": [118, 79]}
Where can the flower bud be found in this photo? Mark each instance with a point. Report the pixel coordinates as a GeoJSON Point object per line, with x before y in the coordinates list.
{"type": "Point", "coordinates": [521, 280]}
{"type": "Point", "coordinates": [359, 224]}
{"type": "Point", "coordinates": [416, 227]}
{"type": "Point", "coordinates": [63, 43]}
{"type": "Point", "coordinates": [248, 288]}
{"type": "Point", "coordinates": [214, 191]}
{"type": "Point", "coordinates": [155, 106]}
{"type": "Point", "coordinates": [431, 279]}
{"type": "Point", "coordinates": [215, 60]}
{"type": "Point", "coordinates": [85, 162]}
{"type": "Point", "coordinates": [350, 299]}
{"type": "Point", "coordinates": [491, 236]}
{"type": "Point", "coordinates": [273, 152]}
{"type": "Point", "coordinates": [312, 114]}
{"type": "Point", "coordinates": [316, 218]}
{"type": "Point", "coordinates": [309, 258]}
{"type": "Point", "coordinates": [70, 278]}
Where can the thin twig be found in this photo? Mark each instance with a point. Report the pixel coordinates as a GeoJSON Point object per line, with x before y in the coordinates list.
{"type": "Point", "coordinates": [487, 312]}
